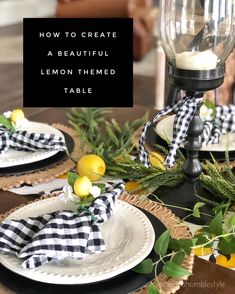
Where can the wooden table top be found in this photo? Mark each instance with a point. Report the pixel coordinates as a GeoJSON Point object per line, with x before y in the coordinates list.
{"type": "Point", "coordinates": [207, 277]}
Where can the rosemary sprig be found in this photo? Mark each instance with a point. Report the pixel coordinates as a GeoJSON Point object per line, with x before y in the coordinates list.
{"type": "Point", "coordinates": [149, 179]}
{"type": "Point", "coordinates": [99, 134]}
{"type": "Point", "coordinates": [220, 181]}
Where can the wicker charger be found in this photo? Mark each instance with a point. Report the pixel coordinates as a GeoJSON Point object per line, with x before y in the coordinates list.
{"type": "Point", "coordinates": [177, 229]}
{"type": "Point", "coordinates": [45, 174]}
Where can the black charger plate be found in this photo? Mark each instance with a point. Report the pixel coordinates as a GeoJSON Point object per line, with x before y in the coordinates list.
{"type": "Point", "coordinates": [152, 138]}
{"type": "Point", "coordinates": [121, 284]}
{"type": "Point", "coordinates": [41, 164]}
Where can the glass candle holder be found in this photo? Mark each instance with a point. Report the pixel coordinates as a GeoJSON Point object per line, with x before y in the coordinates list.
{"type": "Point", "coordinates": [197, 34]}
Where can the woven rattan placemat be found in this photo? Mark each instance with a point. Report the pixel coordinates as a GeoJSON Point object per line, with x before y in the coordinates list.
{"type": "Point", "coordinates": [177, 229]}
{"type": "Point", "coordinates": [45, 174]}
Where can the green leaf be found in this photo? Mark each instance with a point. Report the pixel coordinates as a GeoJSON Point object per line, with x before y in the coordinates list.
{"type": "Point", "coordinates": [202, 239]}
{"type": "Point", "coordinates": [6, 122]}
{"type": "Point", "coordinates": [161, 244]}
{"type": "Point", "coordinates": [226, 247]}
{"type": "Point", "coordinates": [101, 186]}
{"type": "Point", "coordinates": [210, 104]}
{"type": "Point", "coordinates": [174, 245]}
{"type": "Point", "coordinates": [215, 225]}
{"type": "Point", "coordinates": [187, 244]}
{"type": "Point", "coordinates": [196, 211]}
{"type": "Point", "coordinates": [71, 178]}
{"type": "Point", "coordinates": [173, 270]}
{"type": "Point", "coordinates": [222, 207]}
{"type": "Point", "coordinates": [178, 257]}
{"type": "Point", "coordinates": [231, 220]}
{"type": "Point", "coordinates": [152, 289]}
{"type": "Point", "coordinates": [145, 267]}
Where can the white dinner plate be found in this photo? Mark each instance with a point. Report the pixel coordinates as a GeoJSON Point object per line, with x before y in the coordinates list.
{"type": "Point", "coordinates": [129, 238]}
{"type": "Point", "coordinates": [164, 129]}
{"type": "Point", "coordinates": [13, 157]}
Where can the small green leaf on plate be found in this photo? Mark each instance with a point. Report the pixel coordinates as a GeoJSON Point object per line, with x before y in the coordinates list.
{"type": "Point", "coordinates": [145, 267]}
{"type": "Point", "coordinates": [152, 289]}
{"type": "Point", "coordinates": [161, 244]}
{"type": "Point", "coordinates": [215, 225]}
{"type": "Point", "coordinates": [71, 178]}
{"type": "Point", "coordinates": [173, 270]}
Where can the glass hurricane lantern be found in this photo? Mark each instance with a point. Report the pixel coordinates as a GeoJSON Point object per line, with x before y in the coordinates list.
{"type": "Point", "coordinates": [197, 37]}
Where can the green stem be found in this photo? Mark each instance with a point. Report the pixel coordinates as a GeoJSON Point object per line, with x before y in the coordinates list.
{"type": "Point", "coordinates": [212, 240]}
{"type": "Point", "coordinates": [179, 207]}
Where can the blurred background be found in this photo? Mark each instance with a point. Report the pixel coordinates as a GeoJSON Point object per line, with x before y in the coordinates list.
{"type": "Point", "coordinates": [150, 79]}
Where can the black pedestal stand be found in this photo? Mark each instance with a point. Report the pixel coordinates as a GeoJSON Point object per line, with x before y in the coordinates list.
{"type": "Point", "coordinates": [193, 81]}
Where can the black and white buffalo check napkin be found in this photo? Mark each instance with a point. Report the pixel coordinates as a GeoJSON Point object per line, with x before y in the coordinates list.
{"type": "Point", "coordinates": [223, 123]}
{"type": "Point", "coordinates": [185, 110]}
{"type": "Point", "coordinates": [61, 234]}
{"type": "Point", "coordinates": [26, 141]}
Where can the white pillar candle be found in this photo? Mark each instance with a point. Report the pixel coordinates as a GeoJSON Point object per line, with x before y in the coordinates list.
{"type": "Point", "coordinates": [196, 60]}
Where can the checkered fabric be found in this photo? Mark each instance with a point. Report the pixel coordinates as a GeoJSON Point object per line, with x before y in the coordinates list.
{"type": "Point", "coordinates": [224, 122]}
{"type": "Point", "coordinates": [185, 110]}
{"type": "Point", "coordinates": [23, 140]}
{"type": "Point", "coordinates": [61, 234]}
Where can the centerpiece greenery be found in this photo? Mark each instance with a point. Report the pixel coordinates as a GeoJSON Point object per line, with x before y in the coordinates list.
{"type": "Point", "coordinates": [113, 143]}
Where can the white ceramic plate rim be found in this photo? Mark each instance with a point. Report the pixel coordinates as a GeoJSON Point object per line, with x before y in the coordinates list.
{"type": "Point", "coordinates": [164, 129]}
{"type": "Point", "coordinates": [142, 242]}
{"type": "Point", "coordinates": [14, 157]}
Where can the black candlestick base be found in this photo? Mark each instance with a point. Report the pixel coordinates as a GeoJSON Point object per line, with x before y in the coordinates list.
{"type": "Point", "coordinates": [183, 195]}
{"type": "Point", "coordinates": [196, 80]}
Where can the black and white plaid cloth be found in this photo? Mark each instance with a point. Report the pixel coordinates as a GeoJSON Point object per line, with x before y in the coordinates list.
{"type": "Point", "coordinates": [223, 123]}
{"type": "Point", "coordinates": [23, 140]}
{"type": "Point", "coordinates": [61, 234]}
{"type": "Point", "coordinates": [186, 109]}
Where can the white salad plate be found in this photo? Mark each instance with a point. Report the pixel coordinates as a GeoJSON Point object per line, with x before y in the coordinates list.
{"type": "Point", "coordinates": [128, 235]}
{"type": "Point", "coordinates": [164, 129]}
{"type": "Point", "coordinates": [14, 157]}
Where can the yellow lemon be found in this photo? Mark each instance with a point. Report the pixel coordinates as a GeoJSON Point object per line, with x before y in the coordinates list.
{"type": "Point", "coordinates": [157, 160]}
{"type": "Point", "coordinates": [16, 115]}
{"type": "Point", "coordinates": [132, 186]}
{"type": "Point", "coordinates": [63, 176]}
{"type": "Point", "coordinates": [222, 260]}
{"type": "Point", "coordinates": [82, 186]}
{"type": "Point", "coordinates": [202, 251]}
{"type": "Point", "coordinates": [92, 166]}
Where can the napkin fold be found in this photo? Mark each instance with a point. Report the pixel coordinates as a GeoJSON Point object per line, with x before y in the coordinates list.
{"type": "Point", "coordinates": [185, 111]}
{"type": "Point", "coordinates": [61, 234]}
{"type": "Point", "coordinates": [223, 123]}
{"type": "Point", "coordinates": [26, 141]}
